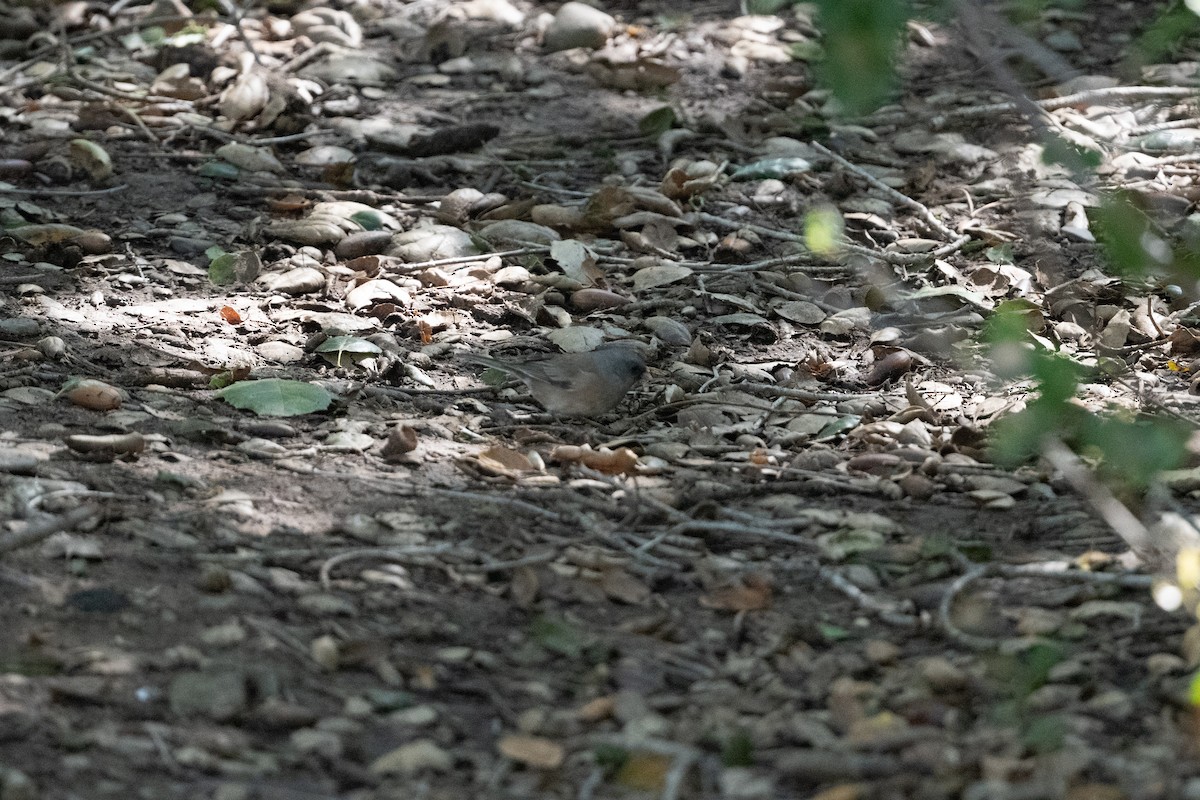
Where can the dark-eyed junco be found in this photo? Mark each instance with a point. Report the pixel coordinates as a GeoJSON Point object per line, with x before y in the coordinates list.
{"type": "Point", "coordinates": [575, 384]}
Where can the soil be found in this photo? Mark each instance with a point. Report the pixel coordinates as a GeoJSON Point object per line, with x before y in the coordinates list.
{"type": "Point", "coordinates": [804, 577]}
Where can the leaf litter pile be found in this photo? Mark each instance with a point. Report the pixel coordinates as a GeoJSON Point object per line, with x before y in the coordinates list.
{"type": "Point", "coordinates": [268, 535]}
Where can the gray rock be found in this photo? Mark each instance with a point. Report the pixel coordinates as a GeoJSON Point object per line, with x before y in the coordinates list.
{"type": "Point", "coordinates": [218, 696]}
{"type": "Point", "coordinates": [578, 25]}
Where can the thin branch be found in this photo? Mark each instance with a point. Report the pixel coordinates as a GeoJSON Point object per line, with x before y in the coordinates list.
{"type": "Point", "coordinates": [35, 532]}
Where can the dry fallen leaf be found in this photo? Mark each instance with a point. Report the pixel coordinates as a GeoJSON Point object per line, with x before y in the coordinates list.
{"type": "Point", "coordinates": [505, 462]}
{"type": "Point", "coordinates": [524, 586]}
{"type": "Point", "coordinates": [752, 593]}
{"type": "Point", "coordinates": [110, 444]}
{"type": "Point", "coordinates": [622, 461]}
{"type": "Point", "coordinates": [620, 585]}
{"type": "Point", "coordinates": [94, 395]}
{"type": "Point", "coordinates": [401, 441]}
{"type": "Point", "coordinates": [533, 751]}
{"type": "Point", "coordinates": [645, 771]}
{"type": "Point", "coordinates": [597, 709]}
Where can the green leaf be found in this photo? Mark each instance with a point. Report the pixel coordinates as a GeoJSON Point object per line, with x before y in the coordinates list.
{"type": "Point", "coordinates": [219, 169]}
{"type": "Point", "coordinates": [558, 636]}
{"type": "Point", "coordinates": [1056, 150]}
{"type": "Point", "coordinates": [275, 397]}
{"type": "Point", "coordinates": [657, 122]}
{"type": "Point", "coordinates": [222, 271]}
{"type": "Point", "coordinates": [338, 350]}
{"type": "Point", "coordinates": [1045, 734]}
{"type": "Point", "coordinates": [368, 220]}
{"type": "Point", "coordinates": [1033, 667]}
{"type": "Point", "coordinates": [1000, 254]}
{"type": "Point", "coordinates": [838, 426]}
{"type": "Point", "coordinates": [240, 267]}
{"type": "Point", "coordinates": [738, 750]}
{"type": "Point", "coordinates": [610, 756]}
{"type": "Point", "coordinates": [222, 379]}
{"type": "Point", "coordinates": [833, 633]}
{"type": "Point", "coordinates": [778, 167]}
{"type": "Point", "coordinates": [1194, 690]}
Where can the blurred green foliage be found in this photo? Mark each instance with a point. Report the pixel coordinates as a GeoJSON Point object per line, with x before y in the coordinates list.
{"type": "Point", "coordinates": [861, 38]}
{"type": "Point", "coordinates": [1172, 27]}
{"type": "Point", "coordinates": [1131, 449]}
{"type": "Point", "coordinates": [1017, 676]}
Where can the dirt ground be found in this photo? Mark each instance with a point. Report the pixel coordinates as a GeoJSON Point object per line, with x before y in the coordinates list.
{"type": "Point", "coordinates": [783, 567]}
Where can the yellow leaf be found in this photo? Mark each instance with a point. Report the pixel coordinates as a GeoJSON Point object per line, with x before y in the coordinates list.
{"type": "Point", "coordinates": [533, 751]}
{"type": "Point", "coordinates": [645, 771]}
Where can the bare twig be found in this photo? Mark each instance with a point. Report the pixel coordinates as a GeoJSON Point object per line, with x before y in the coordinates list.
{"type": "Point", "coordinates": [893, 612]}
{"type": "Point", "coordinates": [389, 553]}
{"type": "Point", "coordinates": [1102, 501]}
{"type": "Point", "coordinates": [66, 192]}
{"type": "Point", "coordinates": [35, 532]}
{"type": "Point", "coordinates": [901, 198]}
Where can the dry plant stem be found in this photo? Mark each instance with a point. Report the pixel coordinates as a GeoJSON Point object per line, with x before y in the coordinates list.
{"type": "Point", "coordinates": [155, 732]}
{"type": "Point", "coordinates": [769, 288]}
{"type": "Point", "coordinates": [66, 192]}
{"type": "Point", "coordinates": [642, 561]}
{"type": "Point", "coordinates": [279, 633]}
{"type": "Point", "coordinates": [761, 230]}
{"type": "Point", "coordinates": [922, 210]}
{"type": "Point", "coordinates": [1142, 130]}
{"type": "Point", "coordinates": [35, 532]}
{"type": "Point", "coordinates": [1088, 97]}
{"type": "Point", "coordinates": [768, 390]}
{"type": "Point", "coordinates": [137, 120]}
{"type": "Point", "coordinates": [1048, 570]}
{"type": "Point", "coordinates": [13, 280]}
{"type": "Point", "coordinates": [906, 259]}
{"type": "Point", "coordinates": [36, 502]}
{"type": "Point", "coordinates": [510, 502]}
{"type": "Point", "coordinates": [324, 191]}
{"type": "Point", "coordinates": [896, 259]}
{"type": "Point", "coordinates": [1110, 93]}
{"type": "Point", "coordinates": [404, 394]}
{"type": "Point", "coordinates": [420, 552]}
{"type": "Point", "coordinates": [513, 563]}
{"type": "Point", "coordinates": [100, 88]}
{"type": "Point", "coordinates": [893, 612]}
{"type": "Point", "coordinates": [74, 41]}
{"type": "Point", "coordinates": [389, 553]}
{"type": "Point", "coordinates": [389, 485]}
{"type": "Point", "coordinates": [738, 529]}
{"type": "Point", "coordinates": [1102, 501]}
{"type": "Point", "coordinates": [799, 260]}
{"type": "Point", "coordinates": [587, 788]}
{"type": "Point", "coordinates": [813, 479]}
{"type": "Point", "coordinates": [956, 634]}
{"type": "Point", "coordinates": [1061, 571]}
{"type": "Point", "coordinates": [449, 262]}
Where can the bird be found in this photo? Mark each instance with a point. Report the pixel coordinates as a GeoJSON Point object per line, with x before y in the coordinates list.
{"type": "Point", "coordinates": [574, 384]}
